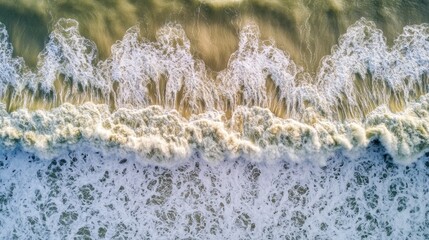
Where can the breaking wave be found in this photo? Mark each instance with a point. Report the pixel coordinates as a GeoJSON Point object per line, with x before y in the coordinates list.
{"type": "Point", "coordinates": [156, 101]}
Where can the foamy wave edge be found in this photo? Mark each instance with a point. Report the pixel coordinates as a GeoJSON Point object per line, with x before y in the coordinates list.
{"type": "Point", "coordinates": [344, 107]}
{"type": "Point", "coordinates": [163, 137]}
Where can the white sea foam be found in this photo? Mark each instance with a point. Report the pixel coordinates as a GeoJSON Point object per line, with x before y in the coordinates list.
{"type": "Point", "coordinates": [86, 194]}
{"type": "Point", "coordinates": [169, 149]}
{"type": "Point", "coordinates": [396, 72]}
{"type": "Point", "coordinates": [10, 68]}
{"type": "Point", "coordinates": [250, 67]}
{"type": "Point", "coordinates": [164, 137]}
{"type": "Point", "coordinates": [135, 64]}
{"type": "Point", "coordinates": [167, 107]}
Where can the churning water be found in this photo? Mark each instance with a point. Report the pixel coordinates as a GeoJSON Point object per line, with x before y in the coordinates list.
{"type": "Point", "coordinates": [214, 119]}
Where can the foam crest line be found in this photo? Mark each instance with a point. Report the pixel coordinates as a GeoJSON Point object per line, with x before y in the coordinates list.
{"type": "Point", "coordinates": [164, 137]}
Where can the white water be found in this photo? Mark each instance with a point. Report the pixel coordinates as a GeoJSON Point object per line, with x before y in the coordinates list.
{"type": "Point", "coordinates": [151, 144]}
{"type": "Point", "coordinates": [141, 74]}
{"type": "Point", "coordinates": [86, 194]}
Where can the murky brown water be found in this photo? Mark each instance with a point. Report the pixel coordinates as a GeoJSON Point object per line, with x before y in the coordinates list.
{"type": "Point", "coordinates": [305, 29]}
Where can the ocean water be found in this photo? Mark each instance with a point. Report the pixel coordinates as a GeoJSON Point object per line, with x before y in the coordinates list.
{"type": "Point", "coordinates": [214, 119]}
